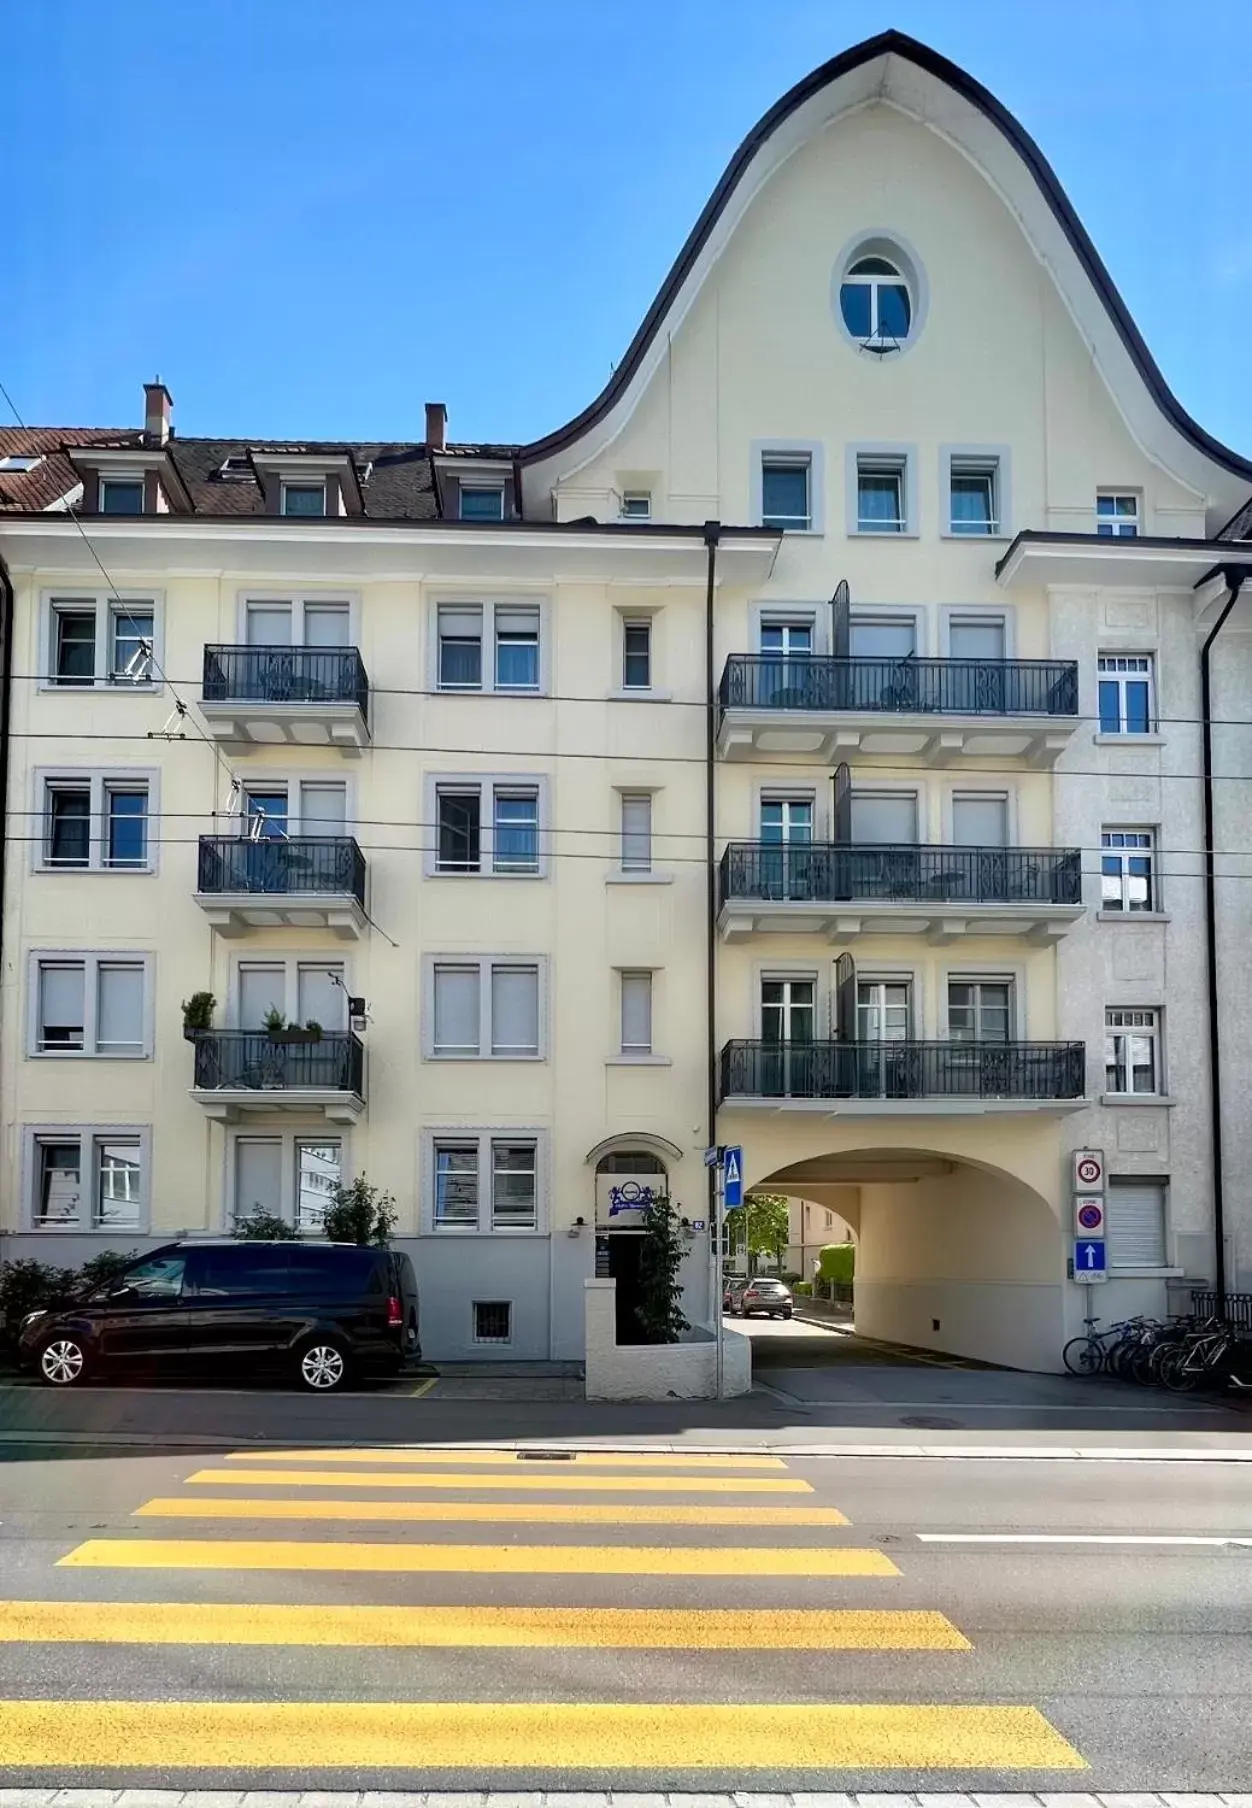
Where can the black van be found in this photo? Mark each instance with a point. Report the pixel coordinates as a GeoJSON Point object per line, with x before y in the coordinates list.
{"type": "Point", "coordinates": [324, 1313]}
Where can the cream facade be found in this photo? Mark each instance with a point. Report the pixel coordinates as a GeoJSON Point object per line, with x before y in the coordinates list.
{"type": "Point", "coordinates": [951, 897]}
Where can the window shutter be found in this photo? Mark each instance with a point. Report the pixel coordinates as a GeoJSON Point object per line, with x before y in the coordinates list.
{"type": "Point", "coordinates": [976, 640]}
{"type": "Point", "coordinates": [269, 624]}
{"type": "Point", "coordinates": [461, 624]}
{"type": "Point", "coordinates": [319, 999]}
{"type": "Point", "coordinates": [1136, 1218]}
{"type": "Point", "coordinates": [61, 996]}
{"type": "Point", "coordinates": [636, 1013]}
{"type": "Point", "coordinates": [325, 625]}
{"type": "Point", "coordinates": [980, 821]}
{"type": "Point", "coordinates": [884, 819]}
{"type": "Point", "coordinates": [258, 1175]}
{"type": "Point", "coordinates": [843, 803]}
{"type": "Point", "coordinates": [872, 639]}
{"type": "Point", "coordinates": [517, 621]}
{"type": "Point", "coordinates": [637, 834]}
{"type": "Point", "coordinates": [515, 1010]}
{"type": "Point", "coordinates": [261, 989]}
{"type": "Point", "coordinates": [323, 809]}
{"type": "Point", "coordinates": [119, 1010]}
{"type": "Point", "coordinates": [456, 1010]}
{"type": "Point", "coordinates": [840, 614]}
{"type": "Point", "coordinates": [845, 998]}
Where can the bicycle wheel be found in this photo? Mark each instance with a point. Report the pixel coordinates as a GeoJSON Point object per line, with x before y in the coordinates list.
{"type": "Point", "coordinates": [1174, 1372]}
{"type": "Point", "coordinates": [1118, 1360]}
{"type": "Point", "coordinates": [1083, 1356]}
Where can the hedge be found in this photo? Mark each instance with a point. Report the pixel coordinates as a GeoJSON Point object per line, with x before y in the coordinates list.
{"type": "Point", "coordinates": [837, 1262]}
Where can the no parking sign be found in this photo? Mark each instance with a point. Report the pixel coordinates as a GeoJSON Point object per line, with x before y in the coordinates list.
{"type": "Point", "coordinates": [1089, 1215]}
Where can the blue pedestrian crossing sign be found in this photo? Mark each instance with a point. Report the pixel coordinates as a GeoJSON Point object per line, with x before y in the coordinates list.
{"type": "Point", "coordinates": [732, 1177]}
{"type": "Point", "coordinates": [1090, 1259]}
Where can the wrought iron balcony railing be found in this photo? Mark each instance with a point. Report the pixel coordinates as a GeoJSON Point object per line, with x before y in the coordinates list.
{"type": "Point", "coordinates": [834, 872]}
{"type": "Point", "coordinates": [286, 675]}
{"type": "Point", "coordinates": [324, 865]}
{"type": "Point", "coordinates": [923, 687]}
{"type": "Point", "coordinates": [256, 1061]}
{"type": "Point", "coordinates": [1029, 1071]}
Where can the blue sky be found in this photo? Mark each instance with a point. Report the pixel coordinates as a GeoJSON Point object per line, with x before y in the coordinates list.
{"type": "Point", "coordinates": [310, 216]}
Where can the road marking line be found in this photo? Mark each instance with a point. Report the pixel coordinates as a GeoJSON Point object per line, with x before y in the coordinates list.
{"type": "Point", "coordinates": [536, 1736]}
{"type": "Point", "coordinates": [610, 1628]}
{"type": "Point", "coordinates": [423, 1387]}
{"type": "Point", "coordinates": [583, 1459]}
{"type": "Point", "coordinates": [1073, 1538]}
{"type": "Point", "coordinates": [484, 1512]}
{"type": "Point", "coordinates": [549, 1482]}
{"type": "Point", "coordinates": [454, 1559]}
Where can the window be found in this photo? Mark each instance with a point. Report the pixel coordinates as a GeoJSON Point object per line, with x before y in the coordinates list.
{"type": "Point", "coordinates": [882, 636]}
{"type": "Point", "coordinates": [68, 826]}
{"type": "Point", "coordinates": [303, 991]}
{"type": "Point", "coordinates": [785, 499]}
{"type": "Point", "coordinates": [88, 1179]}
{"type": "Point", "coordinates": [489, 827]}
{"type": "Point", "coordinates": [318, 1171]}
{"type": "Point", "coordinates": [89, 1004]}
{"type": "Point", "coordinates": [1136, 1223]}
{"type": "Point", "coordinates": [296, 622]}
{"type": "Point", "coordinates": [1117, 515]}
{"type": "Point", "coordinates": [884, 1010]}
{"type": "Point", "coordinates": [516, 832]}
{"type": "Point", "coordinates": [788, 639]}
{"type": "Point", "coordinates": [636, 1013]}
{"type": "Point", "coordinates": [456, 1184]}
{"type": "Point", "coordinates": [884, 818]}
{"type": "Point", "coordinates": [973, 490]}
{"type": "Point", "coordinates": [786, 819]}
{"type": "Point", "coordinates": [980, 819]}
{"type": "Point", "coordinates": [159, 1278]}
{"type": "Point", "coordinates": [488, 1007]}
{"type": "Point", "coordinates": [980, 1010]}
{"type": "Point", "coordinates": [459, 830]}
{"type": "Point", "coordinates": [18, 463]}
{"type": "Point", "coordinates": [977, 637]}
{"type": "Point", "coordinates": [513, 1192]}
{"type": "Point", "coordinates": [121, 495]}
{"type": "Point", "coordinates": [875, 303]}
{"type": "Point", "coordinates": [636, 832]}
{"type": "Point", "coordinates": [1126, 693]}
{"type": "Point", "coordinates": [95, 822]}
{"type": "Point", "coordinates": [515, 659]}
{"type": "Point", "coordinates": [1132, 1051]}
{"type": "Point", "coordinates": [493, 1321]}
{"type": "Point", "coordinates": [637, 656]}
{"type": "Point", "coordinates": [292, 1177]}
{"type": "Point", "coordinates": [482, 502]}
{"type": "Point", "coordinates": [126, 825]}
{"type": "Point", "coordinates": [99, 641]}
{"type": "Point", "coordinates": [275, 812]}
{"type": "Point", "coordinates": [637, 505]}
{"type": "Point", "coordinates": [517, 649]}
{"type": "Point", "coordinates": [788, 1010]}
{"type": "Point", "coordinates": [880, 496]}
{"type": "Point", "coordinates": [1127, 875]}
{"type": "Point", "coordinates": [304, 499]}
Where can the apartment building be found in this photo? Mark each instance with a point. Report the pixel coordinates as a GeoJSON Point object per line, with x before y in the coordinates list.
{"type": "Point", "coordinates": [837, 668]}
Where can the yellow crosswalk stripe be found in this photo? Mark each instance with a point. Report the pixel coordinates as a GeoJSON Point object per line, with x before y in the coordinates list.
{"type": "Point", "coordinates": [606, 1628]}
{"type": "Point", "coordinates": [545, 1736]}
{"type": "Point", "coordinates": [449, 1559]}
{"type": "Point", "coordinates": [486, 1512]}
{"type": "Point", "coordinates": [583, 1459]}
{"type": "Point", "coordinates": [549, 1482]}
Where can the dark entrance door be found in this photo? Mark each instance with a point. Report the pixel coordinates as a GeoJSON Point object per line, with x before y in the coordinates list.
{"type": "Point", "coordinates": [625, 1255]}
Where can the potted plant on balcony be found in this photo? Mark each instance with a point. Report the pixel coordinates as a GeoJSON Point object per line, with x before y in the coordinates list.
{"type": "Point", "coordinates": [292, 1033]}
{"type": "Point", "coordinates": [198, 1014]}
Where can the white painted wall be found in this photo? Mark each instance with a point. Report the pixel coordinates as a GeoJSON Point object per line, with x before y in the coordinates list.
{"type": "Point", "coordinates": [670, 1371]}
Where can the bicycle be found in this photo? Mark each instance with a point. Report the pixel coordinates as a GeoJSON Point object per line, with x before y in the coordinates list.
{"type": "Point", "coordinates": [1087, 1355]}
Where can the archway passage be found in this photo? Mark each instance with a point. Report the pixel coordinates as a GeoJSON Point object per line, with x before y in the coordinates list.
{"type": "Point", "coordinates": [954, 1255]}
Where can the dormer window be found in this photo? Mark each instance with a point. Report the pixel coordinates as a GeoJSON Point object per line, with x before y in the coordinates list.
{"type": "Point", "coordinates": [18, 463]}
{"type": "Point", "coordinates": [305, 499]}
{"type": "Point", "coordinates": [121, 495]}
{"type": "Point", "coordinates": [482, 502]}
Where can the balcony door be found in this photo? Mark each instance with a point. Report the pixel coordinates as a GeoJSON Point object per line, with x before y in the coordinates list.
{"type": "Point", "coordinates": [980, 1024]}
{"type": "Point", "coordinates": [886, 821]}
{"type": "Point", "coordinates": [977, 649]}
{"type": "Point", "coordinates": [884, 1015]}
{"type": "Point", "coordinates": [980, 833]}
{"type": "Point", "coordinates": [786, 848]}
{"type": "Point", "coordinates": [786, 664]}
{"type": "Point", "coordinates": [320, 995]}
{"type": "Point", "coordinates": [888, 645]}
{"type": "Point", "coordinates": [788, 1026]}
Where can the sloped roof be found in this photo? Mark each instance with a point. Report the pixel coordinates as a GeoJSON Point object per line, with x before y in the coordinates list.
{"type": "Point", "coordinates": [1239, 527]}
{"type": "Point", "coordinates": [54, 476]}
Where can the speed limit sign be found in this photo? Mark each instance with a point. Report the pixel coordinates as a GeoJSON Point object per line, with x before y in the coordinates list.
{"type": "Point", "coordinates": [1089, 1170]}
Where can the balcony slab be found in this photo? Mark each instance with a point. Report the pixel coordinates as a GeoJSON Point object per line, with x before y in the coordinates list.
{"type": "Point", "coordinates": [251, 722]}
{"type": "Point", "coordinates": [826, 737]}
{"type": "Point", "coordinates": [941, 923]}
{"type": "Point", "coordinates": [227, 1104]}
{"type": "Point", "coordinates": [235, 914]}
{"type": "Point", "coordinates": [937, 1106]}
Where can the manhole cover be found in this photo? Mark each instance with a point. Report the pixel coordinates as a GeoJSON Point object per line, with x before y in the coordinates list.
{"type": "Point", "coordinates": [931, 1422]}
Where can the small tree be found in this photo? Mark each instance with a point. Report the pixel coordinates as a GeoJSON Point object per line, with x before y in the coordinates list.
{"type": "Point", "coordinates": [105, 1265]}
{"type": "Point", "coordinates": [763, 1220]}
{"type": "Point", "coordinates": [359, 1213]}
{"type": "Point", "coordinates": [658, 1313]}
{"type": "Point", "coordinates": [260, 1226]}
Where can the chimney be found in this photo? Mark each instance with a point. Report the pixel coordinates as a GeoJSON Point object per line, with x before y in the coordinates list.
{"type": "Point", "coordinates": [157, 403]}
{"type": "Point", "coordinates": [436, 425]}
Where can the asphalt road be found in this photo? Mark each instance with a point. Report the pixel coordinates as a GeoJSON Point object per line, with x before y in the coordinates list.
{"type": "Point", "coordinates": [472, 1619]}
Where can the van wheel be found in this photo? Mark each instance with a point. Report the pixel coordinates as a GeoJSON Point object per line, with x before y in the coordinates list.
{"type": "Point", "coordinates": [63, 1362]}
{"type": "Point", "coordinates": [322, 1365]}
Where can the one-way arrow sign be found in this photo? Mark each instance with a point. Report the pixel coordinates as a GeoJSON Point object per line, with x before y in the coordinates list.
{"type": "Point", "coordinates": [1090, 1259]}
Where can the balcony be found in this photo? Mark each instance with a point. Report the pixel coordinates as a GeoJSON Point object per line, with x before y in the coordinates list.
{"type": "Point", "coordinates": [842, 890]}
{"type": "Point", "coordinates": [938, 710]}
{"type": "Point", "coordinates": [925, 1079]}
{"type": "Point", "coordinates": [287, 696]}
{"type": "Point", "coordinates": [239, 1071]}
{"type": "Point", "coordinates": [307, 882]}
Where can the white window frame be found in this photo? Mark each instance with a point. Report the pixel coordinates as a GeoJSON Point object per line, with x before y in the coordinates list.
{"type": "Point", "coordinates": [298, 600]}
{"type": "Point", "coordinates": [89, 1138]}
{"type": "Point", "coordinates": [995, 461]}
{"type": "Point", "coordinates": [132, 479]}
{"type": "Point", "coordinates": [955, 977]}
{"type": "Point", "coordinates": [627, 512]}
{"type": "Point", "coordinates": [633, 1053]}
{"type": "Point", "coordinates": [257, 780]}
{"type": "Point", "coordinates": [1116, 523]}
{"type": "Point", "coordinates": [107, 608]}
{"type": "Point", "coordinates": [483, 1137]}
{"type": "Point", "coordinates": [961, 615]}
{"type": "Point", "coordinates": [1145, 849]}
{"type": "Point", "coordinates": [98, 781]}
{"type": "Point", "coordinates": [291, 965]}
{"type": "Point", "coordinates": [487, 607]}
{"type": "Point", "coordinates": [301, 483]}
{"type": "Point", "coordinates": [807, 452]}
{"type": "Point", "coordinates": [91, 962]}
{"type": "Point", "coordinates": [485, 965]}
{"type": "Point", "coordinates": [1123, 1031]}
{"type": "Point", "coordinates": [636, 866]}
{"type": "Point", "coordinates": [1123, 670]}
{"type": "Point", "coordinates": [289, 1171]}
{"type": "Point", "coordinates": [788, 796]}
{"type": "Point", "coordinates": [485, 485]}
{"type": "Point", "coordinates": [487, 784]}
{"type": "Point", "coordinates": [637, 624]}
{"type": "Point", "coordinates": [882, 455]}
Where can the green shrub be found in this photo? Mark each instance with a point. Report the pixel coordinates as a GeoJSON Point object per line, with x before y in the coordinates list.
{"type": "Point", "coordinates": [837, 1262]}
{"type": "Point", "coordinates": [259, 1226]}
{"type": "Point", "coordinates": [802, 1289]}
{"type": "Point", "coordinates": [27, 1285]}
{"type": "Point", "coordinates": [104, 1265]}
{"type": "Point", "coordinates": [359, 1213]}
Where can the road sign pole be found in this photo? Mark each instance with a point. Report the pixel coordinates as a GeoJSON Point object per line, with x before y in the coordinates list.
{"type": "Point", "coordinates": [715, 1280]}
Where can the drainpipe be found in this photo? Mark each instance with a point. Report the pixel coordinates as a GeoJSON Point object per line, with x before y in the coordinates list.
{"type": "Point", "coordinates": [712, 534]}
{"type": "Point", "coordinates": [1234, 579]}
